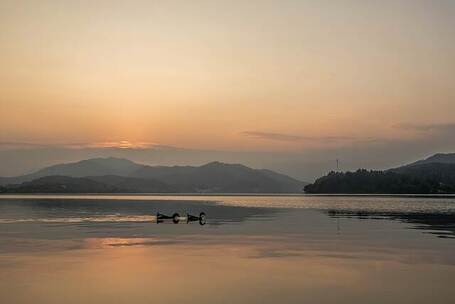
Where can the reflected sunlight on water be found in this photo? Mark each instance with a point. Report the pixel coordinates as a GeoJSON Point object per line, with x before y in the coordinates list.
{"type": "Point", "coordinates": [100, 219]}
{"type": "Point", "coordinates": [364, 202]}
{"type": "Point", "coordinates": [252, 250]}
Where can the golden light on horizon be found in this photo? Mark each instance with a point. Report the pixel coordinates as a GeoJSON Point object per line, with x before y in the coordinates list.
{"type": "Point", "coordinates": [122, 144]}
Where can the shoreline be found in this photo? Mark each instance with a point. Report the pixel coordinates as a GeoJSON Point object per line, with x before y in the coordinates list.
{"type": "Point", "coordinates": [410, 195]}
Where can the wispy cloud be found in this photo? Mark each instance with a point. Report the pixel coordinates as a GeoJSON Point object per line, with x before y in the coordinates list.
{"type": "Point", "coordinates": [122, 144]}
{"type": "Point", "coordinates": [293, 138]}
{"type": "Point", "coordinates": [441, 127]}
{"type": "Point", "coordinates": [21, 145]}
{"type": "Point", "coordinates": [272, 136]}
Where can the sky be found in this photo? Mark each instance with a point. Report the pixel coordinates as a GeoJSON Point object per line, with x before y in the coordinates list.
{"type": "Point", "coordinates": [370, 82]}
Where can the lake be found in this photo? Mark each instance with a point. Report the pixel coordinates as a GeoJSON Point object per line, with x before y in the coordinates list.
{"type": "Point", "coordinates": [250, 249]}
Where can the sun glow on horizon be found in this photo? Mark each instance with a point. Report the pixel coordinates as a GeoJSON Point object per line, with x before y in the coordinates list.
{"type": "Point", "coordinates": [123, 144]}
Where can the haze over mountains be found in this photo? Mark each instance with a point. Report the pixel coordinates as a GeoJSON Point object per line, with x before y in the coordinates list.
{"type": "Point", "coordinates": [306, 165]}
{"type": "Point", "coordinates": [120, 175]}
{"type": "Point", "coordinates": [435, 174]}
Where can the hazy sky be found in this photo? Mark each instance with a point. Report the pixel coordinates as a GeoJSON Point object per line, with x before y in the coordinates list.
{"type": "Point", "coordinates": [227, 75]}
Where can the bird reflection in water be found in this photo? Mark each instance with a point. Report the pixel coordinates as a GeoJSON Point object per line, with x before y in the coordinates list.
{"type": "Point", "coordinates": [175, 218]}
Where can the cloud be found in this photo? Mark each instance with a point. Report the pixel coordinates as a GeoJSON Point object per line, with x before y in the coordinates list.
{"type": "Point", "coordinates": [19, 145]}
{"type": "Point", "coordinates": [293, 138]}
{"type": "Point", "coordinates": [272, 136]}
{"type": "Point", "coordinates": [122, 144]}
{"type": "Point", "coordinates": [438, 127]}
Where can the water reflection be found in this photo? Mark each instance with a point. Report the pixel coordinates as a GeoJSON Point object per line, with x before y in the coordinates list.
{"type": "Point", "coordinates": [228, 270]}
{"type": "Point", "coordinates": [74, 211]}
{"type": "Point", "coordinates": [46, 219]}
{"type": "Point", "coordinates": [440, 224]}
{"type": "Point", "coordinates": [102, 251]}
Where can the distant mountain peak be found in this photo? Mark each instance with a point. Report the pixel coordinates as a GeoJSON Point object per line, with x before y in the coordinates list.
{"type": "Point", "coordinates": [81, 168]}
{"type": "Point", "coordinates": [442, 156]}
{"type": "Point", "coordinates": [214, 163]}
{"type": "Point", "coordinates": [222, 164]}
{"type": "Point", "coordinates": [445, 158]}
{"type": "Point", "coordinates": [109, 159]}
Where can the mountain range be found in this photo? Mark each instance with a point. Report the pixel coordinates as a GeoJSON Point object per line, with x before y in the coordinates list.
{"type": "Point", "coordinates": [117, 175]}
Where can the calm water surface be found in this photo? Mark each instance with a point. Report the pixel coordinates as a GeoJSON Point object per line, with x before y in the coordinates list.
{"type": "Point", "coordinates": [252, 249]}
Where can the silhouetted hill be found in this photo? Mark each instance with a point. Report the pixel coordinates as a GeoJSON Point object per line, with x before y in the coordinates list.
{"type": "Point", "coordinates": [89, 167]}
{"type": "Point", "coordinates": [133, 185]}
{"type": "Point", "coordinates": [126, 176]}
{"type": "Point", "coordinates": [443, 158]}
{"type": "Point", "coordinates": [220, 177]}
{"type": "Point", "coordinates": [434, 175]}
{"type": "Point", "coordinates": [61, 184]}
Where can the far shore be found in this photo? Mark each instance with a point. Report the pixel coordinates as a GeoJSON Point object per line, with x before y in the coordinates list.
{"type": "Point", "coordinates": [69, 195]}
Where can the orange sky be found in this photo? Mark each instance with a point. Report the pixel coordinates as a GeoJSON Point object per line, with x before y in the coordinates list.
{"type": "Point", "coordinates": [261, 75]}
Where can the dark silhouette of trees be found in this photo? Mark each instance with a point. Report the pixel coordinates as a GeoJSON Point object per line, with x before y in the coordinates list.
{"type": "Point", "coordinates": [422, 179]}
